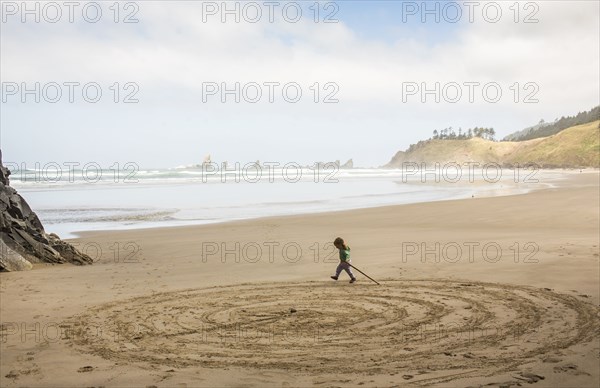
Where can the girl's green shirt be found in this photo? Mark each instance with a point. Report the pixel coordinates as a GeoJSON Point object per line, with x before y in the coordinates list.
{"type": "Point", "coordinates": [345, 254]}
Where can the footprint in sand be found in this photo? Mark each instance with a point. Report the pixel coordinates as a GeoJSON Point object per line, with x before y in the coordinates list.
{"type": "Point", "coordinates": [529, 377]}
{"type": "Point", "coordinates": [552, 360]}
{"type": "Point", "coordinates": [571, 369]}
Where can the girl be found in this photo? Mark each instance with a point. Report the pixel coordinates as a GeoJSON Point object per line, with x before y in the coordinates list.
{"type": "Point", "coordinates": [344, 260]}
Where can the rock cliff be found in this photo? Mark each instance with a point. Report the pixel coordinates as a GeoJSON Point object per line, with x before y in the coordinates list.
{"type": "Point", "coordinates": [23, 240]}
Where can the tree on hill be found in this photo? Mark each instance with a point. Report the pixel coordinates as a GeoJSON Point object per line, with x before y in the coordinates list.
{"type": "Point", "coordinates": [450, 134]}
{"type": "Point", "coordinates": [543, 129]}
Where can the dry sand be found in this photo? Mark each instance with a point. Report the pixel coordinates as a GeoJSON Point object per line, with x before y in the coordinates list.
{"type": "Point", "coordinates": [168, 307]}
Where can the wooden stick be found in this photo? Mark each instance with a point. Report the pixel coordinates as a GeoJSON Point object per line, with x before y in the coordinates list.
{"type": "Point", "coordinates": [363, 273]}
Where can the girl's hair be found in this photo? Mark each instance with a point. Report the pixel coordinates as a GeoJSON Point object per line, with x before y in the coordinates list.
{"type": "Point", "coordinates": [340, 241]}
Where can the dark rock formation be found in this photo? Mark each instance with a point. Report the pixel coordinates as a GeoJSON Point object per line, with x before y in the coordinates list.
{"type": "Point", "coordinates": [336, 164]}
{"type": "Point", "coordinates": [23, 239]}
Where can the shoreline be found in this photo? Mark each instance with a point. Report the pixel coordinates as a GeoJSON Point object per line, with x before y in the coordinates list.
{"type": "Point", "coordinates": [546, 186]}
{"type": "Point", "coordinates": [190, 223]}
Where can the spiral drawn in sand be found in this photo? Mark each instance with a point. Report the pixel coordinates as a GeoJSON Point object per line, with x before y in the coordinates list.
{"type": "Point", "coordinates": [433, 327]}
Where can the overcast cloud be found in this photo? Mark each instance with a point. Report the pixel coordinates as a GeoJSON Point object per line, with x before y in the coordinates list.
{"type": "Point", "coordinates": [170, 53]}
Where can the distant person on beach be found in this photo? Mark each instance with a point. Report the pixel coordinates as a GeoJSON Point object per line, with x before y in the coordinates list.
{"type": "Point", "coordinates": [344, 260]}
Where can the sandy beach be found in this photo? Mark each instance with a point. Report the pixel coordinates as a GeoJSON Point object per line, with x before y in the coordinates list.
{"type": "Point", "coordinates": [499, 291]}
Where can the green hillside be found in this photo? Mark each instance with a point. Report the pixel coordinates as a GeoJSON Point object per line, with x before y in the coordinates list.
{"type": "Point", "coordinates": [578, 146]}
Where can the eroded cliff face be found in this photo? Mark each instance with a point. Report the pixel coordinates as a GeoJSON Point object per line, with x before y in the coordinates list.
{"type": "Point", "coordinates": [23, 240]}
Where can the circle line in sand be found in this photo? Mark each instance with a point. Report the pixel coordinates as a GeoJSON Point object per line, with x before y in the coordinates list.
{"type": "Point", "coordinates": [434, 326]}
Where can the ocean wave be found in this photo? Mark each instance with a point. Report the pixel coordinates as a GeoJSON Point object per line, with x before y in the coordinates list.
{"type": "Point", "coordinates": [120, 215]}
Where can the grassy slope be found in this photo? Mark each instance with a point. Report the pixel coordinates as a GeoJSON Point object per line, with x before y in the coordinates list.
{"type": "Point", "coordinates": [573, 147]}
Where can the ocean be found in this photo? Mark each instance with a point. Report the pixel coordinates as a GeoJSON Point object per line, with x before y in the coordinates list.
{"type": "Point", "coordinates": [69, 201]}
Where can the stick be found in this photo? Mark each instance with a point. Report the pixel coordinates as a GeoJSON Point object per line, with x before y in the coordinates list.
{"type": "Point", "coordinates": [363, 273]}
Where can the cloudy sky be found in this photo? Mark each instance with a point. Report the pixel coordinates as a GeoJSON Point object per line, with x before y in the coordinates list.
{"type": "Point", "coordinates": [361, 76]}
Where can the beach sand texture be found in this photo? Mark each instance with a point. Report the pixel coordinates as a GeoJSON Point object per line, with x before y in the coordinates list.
{"type": "Point", "coordinates": [174, 308]}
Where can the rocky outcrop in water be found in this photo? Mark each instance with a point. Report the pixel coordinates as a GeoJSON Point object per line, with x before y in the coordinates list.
{"type": "Point", "coordinates": [23, 240]}
{"type": "Point", "coordinates": [348, 164]}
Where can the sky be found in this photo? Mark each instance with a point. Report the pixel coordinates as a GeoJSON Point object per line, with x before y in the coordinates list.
{"type": "Point", "coordinates": [337, 80]}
